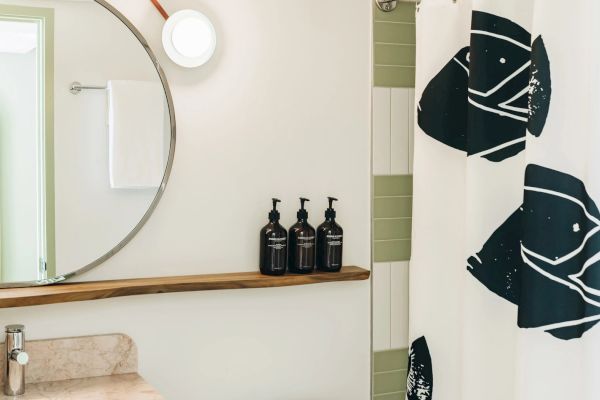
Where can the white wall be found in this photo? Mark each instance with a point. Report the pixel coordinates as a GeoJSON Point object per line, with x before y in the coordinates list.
{"type": "Point", "coordinates": [19, 257]}
{"type": "Point", "coordinates": [282, 109]}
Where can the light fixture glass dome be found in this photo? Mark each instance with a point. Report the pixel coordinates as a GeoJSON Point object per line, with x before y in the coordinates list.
{"type": "Point", "coordinates": [189, 38]}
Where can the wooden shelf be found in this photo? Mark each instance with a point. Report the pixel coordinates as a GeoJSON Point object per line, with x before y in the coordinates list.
{"type": "Point", "coordinates": [67, 292]}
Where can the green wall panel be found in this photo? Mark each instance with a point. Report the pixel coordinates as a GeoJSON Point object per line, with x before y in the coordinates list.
{"type": "Point", "coordinates": [393, 185]}
{"type": "Point", "coordinates": [394, 36]}
{"type": "Point", "coordinates": [391, 396]}
{"type": "Point", "coordinates": [387, 382]}
{"type": "Point", "coordinates": [392, 222]}
{"type": "Point", "coordinates": [395, 55]}
{"type": "Point", "coordinates": [394, 76]}
{"type": "Point", "coordinates": [394, 33]}
{"type": "Point", "coordinates": [390, 360]}
{"type": "Point", "coordinates": [389, 374]}
{"type": "Point", "coordinates": [393, 207]}
{"type": "Point", "coordinates": [388, 229]}
{"type": "Point", "coordinates": [391, 250]}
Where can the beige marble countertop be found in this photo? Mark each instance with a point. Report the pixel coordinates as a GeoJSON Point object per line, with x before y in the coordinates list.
{"type": "Point", "coordinates": [113, 387]}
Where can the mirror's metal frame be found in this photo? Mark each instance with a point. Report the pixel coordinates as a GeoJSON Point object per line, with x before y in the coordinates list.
{"type": "Point", "coordinates": [161, 189]}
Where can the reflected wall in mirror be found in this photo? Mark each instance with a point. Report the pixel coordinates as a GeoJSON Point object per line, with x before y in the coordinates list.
{"type": "Point", "coordinates": [86, 137]}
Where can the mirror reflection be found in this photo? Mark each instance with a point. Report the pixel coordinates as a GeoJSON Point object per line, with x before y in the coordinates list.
{"type": "Point", "coordinates": [85, 136]}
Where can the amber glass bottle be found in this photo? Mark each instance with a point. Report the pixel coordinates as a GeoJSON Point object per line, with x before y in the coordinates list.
{"type": "Point", "coordinates": [302, 243]}
{"type": "Point", "coordinates": [273, 245]}
{"type": "Point", "coordinates": [330, 238]}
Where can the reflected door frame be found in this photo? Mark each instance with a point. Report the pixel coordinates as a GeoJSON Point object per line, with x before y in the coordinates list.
{"type": "Point", "coordinates": [44, 19]}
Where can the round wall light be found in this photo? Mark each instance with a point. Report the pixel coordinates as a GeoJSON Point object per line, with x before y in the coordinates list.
{"type": "Point", "coordinates": [189, 38]}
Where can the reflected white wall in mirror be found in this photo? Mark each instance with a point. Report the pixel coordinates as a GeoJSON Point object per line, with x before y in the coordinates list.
{"type": "Point", "coordinates": [78, 173]}
{"type": "Point", "coordinates": [189, 38]}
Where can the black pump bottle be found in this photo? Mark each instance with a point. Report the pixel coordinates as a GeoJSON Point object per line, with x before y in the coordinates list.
{"type": "Point", "coordinates": [302, 243]}
{"type": "Point", "coordinates": [329, 242]}
{"type": "Point", "coordinates": [273, 245]}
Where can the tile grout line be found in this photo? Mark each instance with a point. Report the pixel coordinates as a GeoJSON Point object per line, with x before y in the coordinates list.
{"type": "Point", "coordinates": [390, 371]}
{"type": "Point", "coordinates": [394, 66]}
{"type": "Point", "coordinates": [392, 350]}
{"type": "Point", "coordinates": [394, 22]}
{"type": "Point", "coordinates": [395, 44]}
{"type": "Point", "coordinates": [375, 395]}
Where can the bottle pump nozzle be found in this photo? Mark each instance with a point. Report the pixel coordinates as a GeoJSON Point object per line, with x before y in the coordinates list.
{"type": "Point", "coordinates": [302, 214]}
{"type": "Point", "coordinates": [274, 214]}
{"type": "Point", "coordinates": [330, 212]}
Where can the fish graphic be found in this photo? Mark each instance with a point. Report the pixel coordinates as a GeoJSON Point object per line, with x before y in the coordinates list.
{"type": "Point", "coordinates": [419, 380]}
{"type": "Point", "coordinates": [483, 99]}
{"type": "Point", "coordinates": [545, 257]}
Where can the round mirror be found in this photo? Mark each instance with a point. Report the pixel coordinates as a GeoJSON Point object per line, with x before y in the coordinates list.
{"type": "Point", "coordinates": [189, 38]}
{"type": "Point", "coordinates": [87, 137]}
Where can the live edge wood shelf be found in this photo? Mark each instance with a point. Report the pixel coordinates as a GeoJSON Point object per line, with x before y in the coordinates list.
{"type": "Point", "coordinates": [67, 292]}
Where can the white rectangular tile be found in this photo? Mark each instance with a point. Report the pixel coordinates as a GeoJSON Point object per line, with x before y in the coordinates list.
{"type": "Point", "coordinates": [381, 131]}
{"type": "Point", "coordinates": [399, 305]}
{"type": "Point", "coordinates": [381, 306]}
{"type": "Point", "coordinates": [411, 128]}
{"type": "Point", "coordinates": [399, 129]}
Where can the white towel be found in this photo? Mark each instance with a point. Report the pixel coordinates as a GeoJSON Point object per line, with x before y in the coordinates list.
{"type": "Point", "coordinates": [136, 125]}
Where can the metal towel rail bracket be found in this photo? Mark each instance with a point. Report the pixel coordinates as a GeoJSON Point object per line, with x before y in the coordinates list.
{"type": "Point", "coordinates": [77, 87]}
{"type": "Point", "coordinates": [386, 5]}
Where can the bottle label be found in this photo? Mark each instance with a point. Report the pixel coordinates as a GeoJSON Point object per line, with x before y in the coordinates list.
{"type": "Point", "coordinates": [306, 242]}
{"type": "Point", "coordinates": [334, 240]}
{"type": "Point", "coordinates": [277, 243]}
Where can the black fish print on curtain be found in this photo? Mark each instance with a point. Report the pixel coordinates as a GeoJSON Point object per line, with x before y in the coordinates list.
{"type": "Point", "coordinates": [485, 97]}
{"type": "Point", "coordinates": [551, 246]}
{"type": "Point", "coordinates": [540, 87]}
{"type": "Point", "coordinates": [419, 380]}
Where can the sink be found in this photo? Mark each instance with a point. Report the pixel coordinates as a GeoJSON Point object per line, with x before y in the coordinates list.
{"type": "Point", "coordinates": [101, 367]}
{"type": "Point", "coordinates": [113, 387]}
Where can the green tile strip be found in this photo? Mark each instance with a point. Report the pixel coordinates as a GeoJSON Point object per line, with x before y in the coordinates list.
{"type": "Point", "coordinates": [393, 250]}
{"type": "Point", "coordinates": [389, 374]}
{"type": "Point", "coordinates": [394, 55]}
{"type": "Point", "coordinates": [393, 185]}
{"type": "Point", "coordinates": [390, 229]}
{"type": "Point", "coordinates": [394, 46]}
{"type": "Point", "coordinates": [390, 76]}
{"type": "Point", "coordinates": [390, 32]}
{"type": "Point", "coordinates": [392, 223]}
{"type": "Point", "coordinates": [390, 360]}
{"type": "Point", "coordinates": [391, 396]}
{"type": "Point", "coordinates": [393, 207]}
{"type": "Point", "coordinates": [388, 382]}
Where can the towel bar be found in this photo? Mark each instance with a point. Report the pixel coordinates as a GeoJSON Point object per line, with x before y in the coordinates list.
{"type": "Point", "coordinates": [77, 87]}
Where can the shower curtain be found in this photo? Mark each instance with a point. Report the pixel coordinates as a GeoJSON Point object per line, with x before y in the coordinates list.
{"type": "Point", "coordinates": [505, 268]}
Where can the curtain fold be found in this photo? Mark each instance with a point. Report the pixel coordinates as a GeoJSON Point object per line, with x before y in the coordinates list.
{"type": "Point", "coordinates": [505, 268]}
